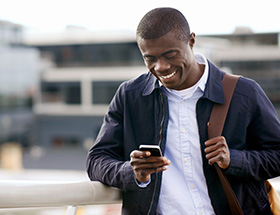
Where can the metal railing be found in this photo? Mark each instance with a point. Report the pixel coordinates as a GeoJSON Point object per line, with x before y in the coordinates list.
{"type": "Point", "coordinates": [31, 194]}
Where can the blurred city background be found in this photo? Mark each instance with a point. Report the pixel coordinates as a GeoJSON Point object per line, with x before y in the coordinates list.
{"type": "Point", "coordinates": [55, 87]}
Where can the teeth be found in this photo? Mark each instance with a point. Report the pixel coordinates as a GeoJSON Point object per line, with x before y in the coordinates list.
{"type": "Point", "coordinates": [169, 76]}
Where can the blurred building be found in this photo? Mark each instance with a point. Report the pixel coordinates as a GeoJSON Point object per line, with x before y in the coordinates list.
{"type": "Point", "coordinates": [74, 94]}
{"type": "Point", "coordinates": [253, 55]}
{"type": "Point", "coordinates": [89, 66]}
{"type": "Point", "coordinates": [19, 69]}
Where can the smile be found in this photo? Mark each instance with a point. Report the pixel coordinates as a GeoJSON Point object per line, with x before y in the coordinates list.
{"type": "Point", "coordinates": [168, 76]}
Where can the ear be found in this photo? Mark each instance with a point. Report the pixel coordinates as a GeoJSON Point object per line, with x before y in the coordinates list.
{"type": "Point", "coordinates": [192, 40]}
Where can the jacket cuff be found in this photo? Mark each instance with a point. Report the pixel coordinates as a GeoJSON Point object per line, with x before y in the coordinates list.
{"type": "Point", "coordinates": [128, 177]}
{"type": "Point", "coordinates": [236, 163]}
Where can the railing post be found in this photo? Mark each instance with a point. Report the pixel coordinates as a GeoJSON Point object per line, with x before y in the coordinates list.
{"type": "Point", "coordinates": [71, 210]}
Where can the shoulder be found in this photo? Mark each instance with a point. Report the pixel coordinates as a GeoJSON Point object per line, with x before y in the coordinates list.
{"type": "Point", "coordinates": [140, 84]}
{"type": "Point", "coordinates": [249, 88]}
{"type": "Point", "coordinates": [248, 93]}
{"type": "Point", "coordinates": [137, 81]}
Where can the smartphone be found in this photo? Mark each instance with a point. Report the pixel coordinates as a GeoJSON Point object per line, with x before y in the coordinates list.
{"type": "Point", "coordinates": [154, 149]}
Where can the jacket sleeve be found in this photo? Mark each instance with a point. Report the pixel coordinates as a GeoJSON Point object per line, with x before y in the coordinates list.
{"type": "Point", "coordinates": [261, 158]}
{"type": "Point", "coordinates": [105, 160]}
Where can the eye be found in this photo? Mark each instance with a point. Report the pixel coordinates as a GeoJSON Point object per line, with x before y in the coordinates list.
{"type": "Point", "coordinates": [149, 58]}
{"type": "Point", "coordinates": [170, 55]}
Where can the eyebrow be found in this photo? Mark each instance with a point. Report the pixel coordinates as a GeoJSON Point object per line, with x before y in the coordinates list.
{"type": "Point", "coordinates": [147, 56]}
{"type": "Point", "coordinates": [165, 53]}
{"type": "Point", "coordinates": [169, 51]}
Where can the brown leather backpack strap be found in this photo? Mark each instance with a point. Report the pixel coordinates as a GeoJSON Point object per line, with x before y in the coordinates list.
{"type": "Point", "coordinates": [231, 197]}
{"type": "Point", "coordinates": [215, 128]}
{"type": "Point", "coordinates": [219, 112]}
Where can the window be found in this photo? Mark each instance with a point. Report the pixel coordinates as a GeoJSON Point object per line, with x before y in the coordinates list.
{"type": "Point", "coordinates": [61, 92]}
{"type": "Point", "coordinates": [103, 92]}
{"type": "Point", "coordinates": [109, 54]}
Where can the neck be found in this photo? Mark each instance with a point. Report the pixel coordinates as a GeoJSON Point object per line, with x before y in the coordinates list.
{"type": "Point", "coordinates": [198, 72]}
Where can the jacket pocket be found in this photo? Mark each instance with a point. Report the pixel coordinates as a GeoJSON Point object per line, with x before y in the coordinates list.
{"type": "Point", "coordinates": [257, 200]}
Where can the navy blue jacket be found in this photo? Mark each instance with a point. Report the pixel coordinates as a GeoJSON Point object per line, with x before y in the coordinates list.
{"type": "Point", "coordinates": [138, 114]}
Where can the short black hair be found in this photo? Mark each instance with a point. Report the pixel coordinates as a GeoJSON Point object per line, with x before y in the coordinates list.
{"type": "Point", "coordinates": [161, 21]}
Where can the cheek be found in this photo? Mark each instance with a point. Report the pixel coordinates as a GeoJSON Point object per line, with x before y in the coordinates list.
{"type": "Point", "coordinates": [148, 65]}
{"type": "Point", "coordinates": [151, 68]}
{"type": "Point", "coordinates": [187, 62]}
{"type": "Point", "coordinates": [182, 63]}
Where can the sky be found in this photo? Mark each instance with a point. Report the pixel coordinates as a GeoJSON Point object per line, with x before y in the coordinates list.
{"type": "Point", "coordinates": [205, 17]}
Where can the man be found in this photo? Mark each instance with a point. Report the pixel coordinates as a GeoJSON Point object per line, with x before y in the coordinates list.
{"type": "Point", "coordinates": [170, 106]}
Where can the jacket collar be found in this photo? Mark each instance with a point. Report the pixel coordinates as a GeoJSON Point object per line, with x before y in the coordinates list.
{"type": "Point", "coordinates": [213, 90]}
{"type": "Point", "coordinates": [151, 84]}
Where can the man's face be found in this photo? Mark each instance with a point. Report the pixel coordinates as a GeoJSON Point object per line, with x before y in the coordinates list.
{"type": "Point", "coordinates": [170, 60]}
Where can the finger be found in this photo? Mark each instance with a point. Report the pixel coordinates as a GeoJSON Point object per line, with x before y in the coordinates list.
{"type": "Point", "coordinates": [156, 159]}
{"type": "Point", "coordinates": [215, 140]}
{"type": "Point", "coordinates": [160, 169]}
{"type": "Point", "coordinates": [222, 158]}
{"type": "Point", "coordinates": [152, 170]}
{"type": "Point", "coordinates": [140, 154]}
{"type": "Point", "coordinates": [215, 147]}
{"type": "Point", "coordinates": [144, 175]}
{"type": "Point", "coordinates": [149, 163]}
{"type": "Point", "coordinates": [221, 163]}
{"type": "Point", "coordinates": [219, 149]}
{"type": "Point", "coordinates": [143, 168]}
{"type": "Point", "coordinates": [212, 154]}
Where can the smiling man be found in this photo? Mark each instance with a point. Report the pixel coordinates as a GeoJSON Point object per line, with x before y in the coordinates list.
{"type": "Point", "coordinates": [170, 106]}
{"type": "Point", "coordinates": [171, 60]}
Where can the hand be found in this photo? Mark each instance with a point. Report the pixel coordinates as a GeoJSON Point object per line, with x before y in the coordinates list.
{"type": "Point", "coordinates": [217, 152]}
{"type": "Point", "coordinates": [143, 164]}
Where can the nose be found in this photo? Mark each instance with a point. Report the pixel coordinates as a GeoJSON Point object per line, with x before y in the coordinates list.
{"type": "Point", "coordinates": [161, 65]}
